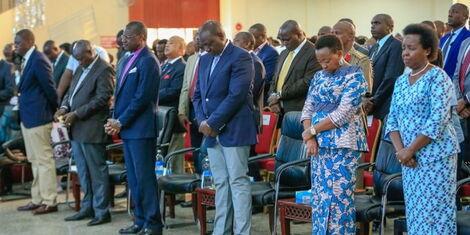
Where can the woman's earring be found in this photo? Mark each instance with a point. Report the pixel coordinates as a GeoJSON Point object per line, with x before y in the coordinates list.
{"type": "Point", "coordinates": [340, 62]}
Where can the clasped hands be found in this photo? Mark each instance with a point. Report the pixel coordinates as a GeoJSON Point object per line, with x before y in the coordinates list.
{"type": "Point", "coordinates": [311, 142]}
{"type": "Point", "coordinates": [206, 130]}
{"type": "Point", "coordinates": [406, 157]}
{"type": "Point", "coordinates": [273, 102]}
{"type": "Point", "coordinates": [112, 127]}
{"type": "Point", "coordinates": [61, 115]}
{"type": "Point", "coordinates": [463, 110]}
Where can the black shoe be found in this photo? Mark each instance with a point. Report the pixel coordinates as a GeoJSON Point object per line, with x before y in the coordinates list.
{"type": "Point", "coordinates": [133, 229]}
{"type": "Point", "coordinates": [106, 218]}
{"type": "Point", "coordinates": [147, 231]}
{"type": "Point", "coordinates": [79, 216]}
{"type": "Point", "coordinates": [186, 204]}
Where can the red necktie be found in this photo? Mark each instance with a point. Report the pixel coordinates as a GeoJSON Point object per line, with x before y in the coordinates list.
{"type": "Point", "coordinates": [193, 82]}
{"type": "Point", "coordinates": [463, 71]}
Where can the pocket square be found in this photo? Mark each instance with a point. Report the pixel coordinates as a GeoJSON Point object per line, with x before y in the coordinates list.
{"type": "Point", "coordinates": [133, 70]}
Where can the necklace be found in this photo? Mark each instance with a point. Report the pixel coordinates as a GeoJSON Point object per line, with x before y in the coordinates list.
{"type": "Point", "coordinates": [420, 71]}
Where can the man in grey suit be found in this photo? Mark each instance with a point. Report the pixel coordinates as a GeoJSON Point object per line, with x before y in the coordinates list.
{"type": "Point", "coordinates": [85, 108]}
{"type": "Point", "coordinates": [58, 59]}
{"type": "Point", "coordinates": [461, 82]}
{"type": "Point", "coordinates": [295, 68]}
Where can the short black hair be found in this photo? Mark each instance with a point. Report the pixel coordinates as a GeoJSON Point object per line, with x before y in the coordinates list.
{"type": "Point", "coordinates": [67, 47]}
{"type": "Point", "coordinates": [330, 41]}
{"type": "Point", "coordinates": [347, 20]}
{"type": "Point", "coordinates": [138, 28]}
{"type": "Point", "coordinates": [427, 39]}
{"type": "Point", "coordinates": [26, 34]}
{"type": "Point", "coordinates": [162, 42]}
{"type": "Point", "coordinates": [213, 27]}
{"type": "Point", "coordinates": [48, 43]}
{"type": "Point", "coordinates": [258, 27]}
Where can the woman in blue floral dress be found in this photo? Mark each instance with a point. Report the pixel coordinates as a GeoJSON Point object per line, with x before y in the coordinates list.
{"type": "Point", "coordinates": [421, 130]}
{"type": "Point", "coordinates": [335, 136]}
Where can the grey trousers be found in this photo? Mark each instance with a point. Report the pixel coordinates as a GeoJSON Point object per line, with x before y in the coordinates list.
{"type": "Point", "coordinates": [94, 177]}
{"type": "Point", "coordinates": [229, 166]}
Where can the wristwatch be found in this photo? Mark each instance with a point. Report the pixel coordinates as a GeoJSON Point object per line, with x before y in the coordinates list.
{"type": "Point", "coordinates": [313, 131]}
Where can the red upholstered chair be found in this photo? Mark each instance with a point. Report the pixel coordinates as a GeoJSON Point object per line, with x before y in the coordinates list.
{"type": "Point", "coordinates": [266, 141]}
{"type": "Point", "coordinates": [373, 138]}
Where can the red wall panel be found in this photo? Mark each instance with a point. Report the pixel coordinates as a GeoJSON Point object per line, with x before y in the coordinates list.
{"type": "Point", "coordinates": [174, 13]}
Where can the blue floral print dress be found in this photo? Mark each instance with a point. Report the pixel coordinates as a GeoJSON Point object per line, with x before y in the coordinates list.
{"type": "Point", "coordinates": [425, 108]}
{"type": "Point", "coordinates": [337, 96]}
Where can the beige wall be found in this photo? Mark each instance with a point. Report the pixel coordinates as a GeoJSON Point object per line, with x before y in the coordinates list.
{"type": "Point", "coordinates": [312, 14]}
{"type": "Point", "coordinates": [68, 20]}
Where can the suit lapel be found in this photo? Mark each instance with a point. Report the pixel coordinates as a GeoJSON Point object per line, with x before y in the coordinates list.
{"type": "Point", "coordinates": [282, 59]}
{"type": "Point", "coordinates": [297, 57]}
{"type": "Point", "coordinates": [91, 74]}
{"type": "Point", "coordinates": [121, 84]}
{"type": "Point", "coordinates": [222, 60]}
{"type": "Point", "coordinates": [26, 68]}
{"type": "Point", "coordinates": [383, 49]}
{"type": "Point", "coordinates": [454, 50]}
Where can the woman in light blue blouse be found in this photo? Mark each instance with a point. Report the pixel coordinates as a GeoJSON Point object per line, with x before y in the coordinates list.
{"type": "Point", "coordinates": [421, 130]}
{"type": "Point", "coordinates": [335, 137]}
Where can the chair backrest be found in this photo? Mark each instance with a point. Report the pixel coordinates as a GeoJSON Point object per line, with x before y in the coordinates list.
{"type": "Point", "coordinates": [166, 117]}
{"type": "Point", "coordinates": [266, 138]}
{"type": "Point", "coordinates": [292, 148]}
{"type": "Point", "coordinates": [373, 139]}
{"type": "Point", "coordinates": [385, 165]}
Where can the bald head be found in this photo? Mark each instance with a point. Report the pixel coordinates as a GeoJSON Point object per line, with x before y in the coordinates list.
{"type": "Point", "coordinates": [212, 37]}
{"type": "Point", "coordinates": [83, 52]}
{"type": "Point", "coordinates": [324, 30]}
{"type": "Point", "coordinates": [175, 47]}
{"type": "Point", "coordinates": [291, 34]}
{"type": "Point", "coordinates": [244, 40]}
{"type": "Point", "coordinates": [346, 32]}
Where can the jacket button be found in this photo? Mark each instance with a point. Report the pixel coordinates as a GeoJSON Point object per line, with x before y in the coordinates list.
{"type": "Point", "coordinates": [207, 99]}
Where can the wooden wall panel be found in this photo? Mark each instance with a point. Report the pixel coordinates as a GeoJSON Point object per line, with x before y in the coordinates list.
{"type": "Point", "coordinates": [174, 13]}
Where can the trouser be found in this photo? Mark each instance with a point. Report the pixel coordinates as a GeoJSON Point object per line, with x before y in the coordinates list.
{"type": "Point", "coordinates": [229, 166]}
{"type": "Point", "coordinates": [196, 140]}
{"type": "Point", "coordinates": [94, 178]}
{"type": "Point", "coordinates": [139, 155]}
{"type": "Point", "coordinates": [39, 152]}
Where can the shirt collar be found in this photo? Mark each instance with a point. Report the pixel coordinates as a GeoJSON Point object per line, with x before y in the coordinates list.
{"type": "Point", "coordinates": [226, 44]}
{"type": "Point", "coordinates": [136, 53]}
{"type": "Point", "coordinates": [296, 50]}
{"type": "Point", "coordinates": [28, 53]}
{"type": "Point", "coordinates": [58, 57]}
{"type": "Point", "coordinates": [258, 49]}
{"type": "Point", "coordinates": [457, 31]}
{"type": "Point", "coordinates": [382, 41]}
{"type": "Point", "coordinates": [173, 60]}
{"type": "Point", "coordinates": [92, 63]}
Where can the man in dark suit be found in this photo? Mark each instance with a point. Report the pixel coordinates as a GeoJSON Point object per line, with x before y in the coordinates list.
{"type": "Point", "coordinates": [461, 80]}
{"type": "Point", "coordinates": [450, 43]}
{"type": "Point", "coordinates": [295, 68]}
{"type": "Point", "coordinates": [266, 53]}
{"type": "Point", "coordinates": [387, 65]}
{"type": "Point", "coordinates": [224, 109]}
{"type": "Point", "coordinates": [169, 93]}
{"type": "Point", "coordinates": [135, 119]}
{"type": "Point", "coordinates": [7, 81]}
{"type": "Point", "coordinates": [85, 108]}
{"type": "Point", "coordinates": [58, 59]}
{"type": "Point", "coordinates": [37, 102]}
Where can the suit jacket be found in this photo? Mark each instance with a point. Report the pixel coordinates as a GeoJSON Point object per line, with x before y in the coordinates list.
{"type": "Point", "coordinates": [450, 63]}
{"type": "Point", "coordinates": [298, 78]}
{"type": "Point", "coordinates": [258, 81]}
{"type": "Point", "coordinates": [59, 68]}
{"type": "Point", "coordinates": [91, 102]}
{"type": "Point", "coordinates": [171, 82]}
{"type": "Point", "coordinates": [225, 99]}
{"type": "Point", "coordinates": [456, 77]}
{"type": "Point", "coordinates": [38, 99]}
{"type": "Point", "coordinates": [7, 81]}
{"type": "Point", "coordinates": [387, 66]}
{"type": "Point", "coordinates": [269, 56]}
{"type": "Point", "coordinates": [135, 101]}
{"type": "Point", "coordinates": [183, 106]}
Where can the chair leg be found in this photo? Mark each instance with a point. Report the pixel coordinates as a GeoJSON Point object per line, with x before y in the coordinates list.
{"type": "Point", "coordinates": [271, 218]}
{"type": "Point", "coordinates": [171, 200]}
{"type": "Point", "coordinates": [76, 191]}
{"type": "Point", "coordinates": [364, 228]}
{"type": "Point", "coordinates": [112, 191]}
{"type": "Point", "coordinates": [201, 215]}
{"type": "Point", "coordinates": [194, 205]}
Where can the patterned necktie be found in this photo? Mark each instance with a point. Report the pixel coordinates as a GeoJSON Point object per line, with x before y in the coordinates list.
{"type": "Point", "coordinates": [374, 52]}
{"type": "Point", "coordinates": [463, 71]}
{"type": "Point", "coordinates": [284, 71]}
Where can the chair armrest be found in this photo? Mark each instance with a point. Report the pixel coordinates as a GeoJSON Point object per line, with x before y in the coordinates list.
{"type": "Point", "coordinates": [115, 146]}
{"type": "Point", "coordinates": [260, 157]}
{"type": "Point", "coordinates": [388, 180]}
{"type": "Point", "coordinates": [176, 153]}
{"type": "Point", "coordinates": [366, 165]}
{"type": "Point", "coordinates": [60, 142]}
{"type": "Point", "coordinates": [462, 182]}
{"type": "Point", "coordinates": [284, 166]}
{"type": "Point", "coordinates": [10, 142]}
